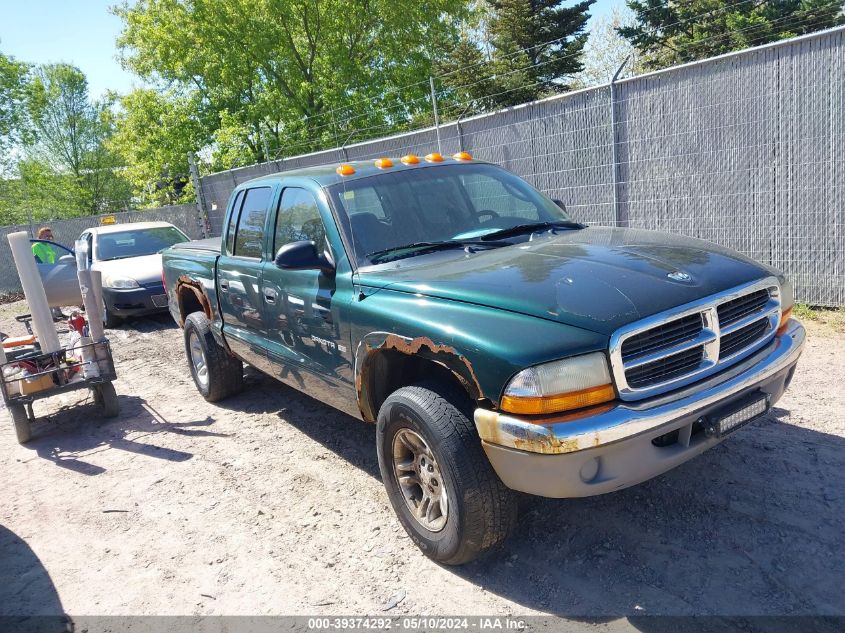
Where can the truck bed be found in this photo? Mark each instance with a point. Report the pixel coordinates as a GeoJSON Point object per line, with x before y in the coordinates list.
{"type": "Point", "coordinates": [212, 244]}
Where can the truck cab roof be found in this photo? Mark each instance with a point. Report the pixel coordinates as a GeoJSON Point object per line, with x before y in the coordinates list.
{"type": "Point", "coordinates": [329, 174]}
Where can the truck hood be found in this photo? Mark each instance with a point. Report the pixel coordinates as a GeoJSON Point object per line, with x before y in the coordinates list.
{"type": "Point", "coordinates": [597, 278]}
{"type": "Point", "coordinates": [145, 269]}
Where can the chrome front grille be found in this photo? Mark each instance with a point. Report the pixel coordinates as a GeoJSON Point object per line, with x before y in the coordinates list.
{"type": "Point", "coordinates": [662, 337]}
{"type": "Point", "coordinates": [666, 368]}
{"type": "Point", "coordinates": [677, 347]}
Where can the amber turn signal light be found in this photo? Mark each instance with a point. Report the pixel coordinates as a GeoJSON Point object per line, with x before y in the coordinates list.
{"type": "Point", "coordinates": [462, 156]}
{"type": "Point", "coordinates": [410, 159]}
{"type": "Point", "coordinates": [345, 170]}
{"type": "Point", "coordinates": [384, 163]}
{"type": "Point", "coordinates": [561, 402]}
{"type": "Point", "coordinates": [784, 320]}
{"type": "Point", "coordinates": [434, 157]}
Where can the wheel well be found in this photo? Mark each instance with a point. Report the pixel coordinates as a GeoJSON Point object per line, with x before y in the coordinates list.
{"type": "Point", "coordinates": [386, 371]}
{"type": "Point", "coordinates": [191, 299]}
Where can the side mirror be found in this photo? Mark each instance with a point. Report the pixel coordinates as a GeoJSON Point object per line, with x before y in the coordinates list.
{"type": "Point", "coordinates": [560, 204]}
{"type": "Point", "coordinates": [302, 256]}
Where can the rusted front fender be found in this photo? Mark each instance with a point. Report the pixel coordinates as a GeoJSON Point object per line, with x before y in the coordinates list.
{"type": "Point", "coordinates": [423, 347]}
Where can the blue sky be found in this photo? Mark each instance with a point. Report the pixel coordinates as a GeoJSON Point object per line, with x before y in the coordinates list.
{"type": "Point", "coordinates": [83, 33]}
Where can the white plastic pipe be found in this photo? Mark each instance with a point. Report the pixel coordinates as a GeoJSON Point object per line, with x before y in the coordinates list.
{"type": "Point", "coordinates": [33, 290]}
{"type": "Point", "coordinates": [92, 310]}
{"type": "Point", "coordinates": [97, 286]}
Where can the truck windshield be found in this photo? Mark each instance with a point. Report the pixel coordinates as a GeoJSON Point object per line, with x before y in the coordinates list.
{"type": "Point", "coordinates": [456, 202]}
{"type": "Point", "coordinates": [137, 243]}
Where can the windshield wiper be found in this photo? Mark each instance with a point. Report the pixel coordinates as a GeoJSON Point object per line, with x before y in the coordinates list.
{"type": "Point", "coordinates": [417, 248]}
{"type": "Point", "coordinates": [531, 228]}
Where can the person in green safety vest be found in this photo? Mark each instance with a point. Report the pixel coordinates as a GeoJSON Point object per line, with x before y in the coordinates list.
{"type": "Point", "coordinates": [44, 253]}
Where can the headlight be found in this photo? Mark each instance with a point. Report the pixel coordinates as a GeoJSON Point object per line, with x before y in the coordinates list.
{"type": "Point", "coordinates": [787, 300]}
{"type": "Point", "coordinates": [572, 383]}
{"type": "Point", "coordinates": [121, 283]}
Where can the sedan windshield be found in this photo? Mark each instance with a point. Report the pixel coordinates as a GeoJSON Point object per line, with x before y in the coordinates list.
{"type": "Point", "coordinates": [458, 203]}
{"type": "Point", "coordinates": [138, 242]}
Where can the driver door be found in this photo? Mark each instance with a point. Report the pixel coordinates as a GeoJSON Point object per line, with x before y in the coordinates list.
{"type": "Point", "coordinates": [300, 317]}
{"type": "Point", "coordinates": [61, 285]}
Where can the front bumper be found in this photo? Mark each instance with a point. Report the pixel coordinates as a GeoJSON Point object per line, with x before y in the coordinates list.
{"type": "Point", "coordinates": [609, 448]}
{"type": "Point", "coordinates": [135, 301]}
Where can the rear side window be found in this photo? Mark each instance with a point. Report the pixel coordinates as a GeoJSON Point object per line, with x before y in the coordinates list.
{"type": "Point", "coordinates": [250, 234]}
{"type": "Point", "coordinates": [299, 219]}
{"type": "Point", "coordinates": [233, 223]}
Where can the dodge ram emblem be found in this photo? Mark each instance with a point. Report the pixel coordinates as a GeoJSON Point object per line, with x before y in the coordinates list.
{"type": "Point", "coordinates": [680, 275]}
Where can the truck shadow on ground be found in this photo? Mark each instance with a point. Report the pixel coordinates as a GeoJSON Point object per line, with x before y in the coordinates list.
{"type": "Point", "coordinates": [28, 598]}
{"type": "Point", "coordinates": [356, 443]}
{"type": "Point", "coordinates": [66, 436]}
{"type": "Point", "coordinates": [751, 527]}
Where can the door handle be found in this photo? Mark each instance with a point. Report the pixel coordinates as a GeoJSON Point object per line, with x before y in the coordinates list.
{"type": "Point", "coordinates": [270, 295]}
{"type": "Point", "coordinates": [224, 285]}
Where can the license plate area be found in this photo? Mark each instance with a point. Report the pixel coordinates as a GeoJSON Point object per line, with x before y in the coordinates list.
{"type": "Point", "coordinates": [736, 415]}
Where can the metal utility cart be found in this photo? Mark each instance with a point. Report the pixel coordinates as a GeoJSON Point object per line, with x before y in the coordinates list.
{"type": "Point", "coordinates": [29, 375]}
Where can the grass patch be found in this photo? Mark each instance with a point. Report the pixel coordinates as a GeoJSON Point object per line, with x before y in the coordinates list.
{"type": "Point", "coordinates": [10, 297]}
{"type": "Point", "coordinates": [804, 312]}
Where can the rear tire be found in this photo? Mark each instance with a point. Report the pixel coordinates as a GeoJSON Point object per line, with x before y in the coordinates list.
{"type": "Point", "coordinates": [481, 510]}
{"type": "Point", "coordinates": [20, 419]}
{"type": "Point", "coordinates": [216, 373]}
{"type": "Point", "coordinates": [106, 396]}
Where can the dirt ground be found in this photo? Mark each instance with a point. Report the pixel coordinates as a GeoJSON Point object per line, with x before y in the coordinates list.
{"type": "Point", "coordinates": [271, 503]}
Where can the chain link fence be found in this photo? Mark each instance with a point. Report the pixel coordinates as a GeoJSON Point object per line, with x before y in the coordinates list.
{"type": "Point", "coordinates": [65, 232]}
{"type": "Point", "coordinates": [744, 150]}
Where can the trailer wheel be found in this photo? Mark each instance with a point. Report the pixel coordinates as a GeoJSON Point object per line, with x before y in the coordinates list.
{"type": "Point", "coordinates": [106, 396]}
{"type": "Point", "coordinates": [216, 373]}
{"type": "Point", "coordinates": [21, 421]}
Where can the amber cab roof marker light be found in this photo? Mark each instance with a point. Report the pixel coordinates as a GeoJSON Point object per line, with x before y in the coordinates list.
{"type": "Point", "coordinates": [384, 163]}
{"type": "Point", "coordinates": [409, 159]}
{"type": "Point", "coordinates": [434, 157]}
{"type": "Point", "coordinates": [462, 156]}
{"type": "Point", "coordinates": [345, 170]}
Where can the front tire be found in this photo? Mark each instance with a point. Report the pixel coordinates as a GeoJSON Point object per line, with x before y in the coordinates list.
{"type": "Point", "coordinates": [216, 373]}
{"type": "Point", "coordinates": [23, 429]}
{"type": "Point", "coordinates": [110, 320]}
{"type": "Point", "coordinates": [441, 485]}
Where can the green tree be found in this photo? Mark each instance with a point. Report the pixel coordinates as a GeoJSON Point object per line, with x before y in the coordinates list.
{"type": "Point", "coordinates": [36, 190]}
{"type": "Point", "coordinates": [70, 133]}
{"type": "Point", "coordinates": [465, 74]}
{"type": "Point", "coordinates": [13, 122]}
{"type": "Point", "coordinates": [536, 47]}
{"type": "Point", "coordinates": [294, 75]}
{"type": "Point", "coordinates": [606, 49]}
{"type": "Point", "coordinates": [674, 32]}
{"type": "Point", "coordinates": [154, 131]}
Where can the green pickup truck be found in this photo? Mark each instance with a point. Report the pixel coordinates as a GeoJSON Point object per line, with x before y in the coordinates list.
{"type": "Point", "coordinates": [498, 345]}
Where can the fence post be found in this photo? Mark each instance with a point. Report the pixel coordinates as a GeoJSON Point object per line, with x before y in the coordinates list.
{"type": "Point", "coordinates": [205, 226]}
{"type": "Point", "coordinates": [29, 219]}
{"type": "Point", "coordinates": [620, 213]}
{"type": "Point", "coordinates": [436, 116]}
